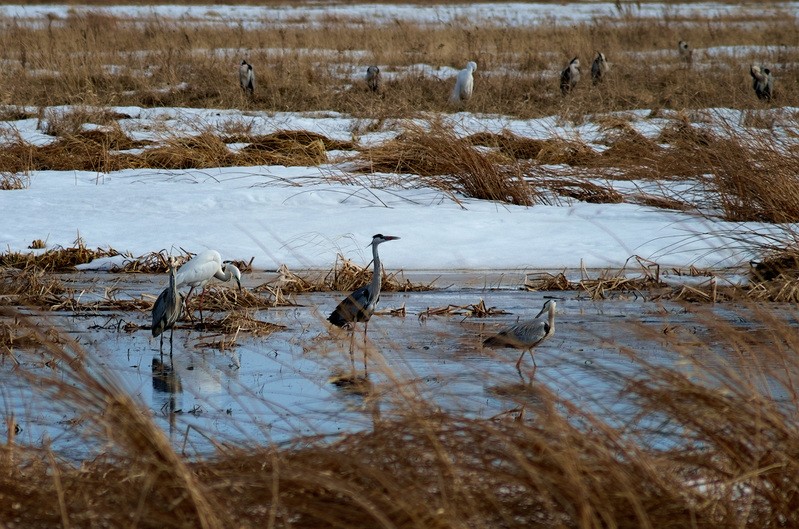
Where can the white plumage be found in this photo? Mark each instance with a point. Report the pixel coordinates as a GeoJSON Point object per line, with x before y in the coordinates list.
{"type": "Point", "coordinates": [201, 268]}
{"type": "Point", "coordinates": [464, 84]}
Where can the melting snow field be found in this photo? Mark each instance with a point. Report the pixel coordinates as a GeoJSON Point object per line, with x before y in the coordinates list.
{"type": "Point", "coordinates": [304, 216]}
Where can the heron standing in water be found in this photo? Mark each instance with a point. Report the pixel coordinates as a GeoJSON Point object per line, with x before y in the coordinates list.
{"type": "Point", "coordinates": [360, 305]}
{"type": "Point", "coordinates": [526, 335]}
{"type": "Point", "coordinates": [167, 310]}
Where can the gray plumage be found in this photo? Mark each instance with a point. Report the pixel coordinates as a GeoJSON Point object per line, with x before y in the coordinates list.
{"type": "Point", "coordinates": [360, 305]}
{"type": "Point", "coordinates": [526, 335]}
{"type": "Point", "coordinates": [167, 310]}
{"type": "Point", "coordinates": [599, 68]}
{"type": "Point", "coordinates": [246, 78]}
{"type": "Point", "coordinates": [762, 82]}
{"type": "Point", "coordinates": [570, 76]}
{"type": "Point", "coordinates": [373, 78]}
{"type": "Point", "coordinates": [685, 51]}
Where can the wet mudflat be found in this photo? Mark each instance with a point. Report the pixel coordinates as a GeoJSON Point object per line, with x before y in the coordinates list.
{"type": "Point", "coordinates": [302, 381]}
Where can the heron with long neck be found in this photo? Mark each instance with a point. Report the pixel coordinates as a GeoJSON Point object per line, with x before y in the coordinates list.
{"type": "Point", "coordinates": [167, 309]}
{"type": "Point", "coordinates": [201, 268]}
{"type": "Point", "coordinates": [360, 305]}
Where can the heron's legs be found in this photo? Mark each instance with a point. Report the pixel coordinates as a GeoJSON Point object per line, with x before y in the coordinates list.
{"type": "Point", "coordinates": [186, 303]}
{"type": "Point", "coordinates": [352, 348]}
{"type": "Point", "coordinates": [171, 334]}
{"type": "Point", "coordinates": [162, 345]}
{"type": "Point", "coordinates": [519, 361]}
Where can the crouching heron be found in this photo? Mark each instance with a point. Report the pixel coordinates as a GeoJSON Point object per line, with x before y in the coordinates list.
{"type": "Point", "coordinates": [527, 334]}
{"type": "Point", "coordinates": [203, 267]}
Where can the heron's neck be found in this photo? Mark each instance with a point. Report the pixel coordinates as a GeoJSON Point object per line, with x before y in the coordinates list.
{"type": "Point", "coordinates": [376, 279]}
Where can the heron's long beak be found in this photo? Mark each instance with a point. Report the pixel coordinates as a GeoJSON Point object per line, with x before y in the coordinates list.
{"type": "Point", "coordinates": [239, 283]}
{"type": "Point", "coordinates": [543, 310]}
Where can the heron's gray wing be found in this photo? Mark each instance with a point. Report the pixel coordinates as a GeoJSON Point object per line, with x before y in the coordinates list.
{"type": "Point", "coordinates": [353, 308]}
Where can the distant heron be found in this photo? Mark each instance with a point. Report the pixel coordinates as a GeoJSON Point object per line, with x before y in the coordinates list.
{"type": "Point", "coordinates": [360, 305]}
{"type": "Point", "coordinates": [686, 53]}
{"type": "Point", "coordinates": [569, 76]}
{"type": "Point", "coordinates": [373, 78]}
{"type": "Point", "coordinates": [464, 84]}
{"type": "Point", "coordinates": [201, 269]}
{"type": "Point", "coordinates": [246, 78]}
{"type": "Point", "coordinates": [599, 68]}
{"type": "Point", "coordinates": [762, 82]}
{"type": "Point", "coordinates": [167, 310]}
{"type": "Point", "coordinates": [526, 335]}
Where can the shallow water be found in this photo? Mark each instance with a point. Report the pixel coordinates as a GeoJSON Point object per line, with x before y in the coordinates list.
{"type": "Point", "coordinates": [276, 388]}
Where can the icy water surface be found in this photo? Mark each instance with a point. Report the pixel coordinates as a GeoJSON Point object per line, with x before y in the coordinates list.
{"type": "Point", "coordinates": [278, 387]}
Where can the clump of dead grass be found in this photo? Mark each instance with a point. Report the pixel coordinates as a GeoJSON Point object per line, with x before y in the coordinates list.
{"type": "Point", "coordinates": [344, 276]}
{"type": "Point", "coordinates": [57, 259]}
{"type": "Point", "coordinates": [473, 310]}
{"type": "Point", "coordinates": [444, 161]}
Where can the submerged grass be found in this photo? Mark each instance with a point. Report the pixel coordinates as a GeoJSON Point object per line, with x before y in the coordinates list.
{"type": "Point", "coordinates": [710, 446]}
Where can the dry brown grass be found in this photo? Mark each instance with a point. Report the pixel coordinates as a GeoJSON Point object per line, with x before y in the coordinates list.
{"type": "Point", "coordinates": [344, 276]}
{"type": "Point", "coordinates": [709, 447]}
{"type": "Point", "coordinates": [444, 161]}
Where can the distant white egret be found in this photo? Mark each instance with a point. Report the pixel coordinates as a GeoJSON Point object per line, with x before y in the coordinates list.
{"type": "Point", "coordinates": [167, 309]}
{"type": "Point", "coordinates": [526, 335]}
{"type": "Point", "coordinates": [201, 268]}
{"type": "Point", "coordinates": [360, 305]}
{"type": "Point", "coordinates": [464, 84]}
{"type": "Point", "coordinates": [599, 68]}
{"type": "Point", "coordinates": [685, 51]}
{"type": "Point", "coordinates": [762, 82]}
{"type": "Point", "coordinates": [246, 78]}
{"type": "Point", "coordinates": [570, 76]}
{"type": "Point", "coordinates": [373, 78]}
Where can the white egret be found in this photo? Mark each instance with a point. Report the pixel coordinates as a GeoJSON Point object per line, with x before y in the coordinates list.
{"type": "Point", "coordinates": [201, 268]}
{"type": "Point", "coordinates": [464, 84]}
{"type": "Point", "coordinates": [526, 335]}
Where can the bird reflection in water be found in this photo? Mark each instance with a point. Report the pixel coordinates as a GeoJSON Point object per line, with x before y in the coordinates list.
{"type": "Point", "coordinates": [166, 387]}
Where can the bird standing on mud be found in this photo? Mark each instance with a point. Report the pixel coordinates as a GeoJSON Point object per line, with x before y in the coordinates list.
{"type": "Point", "coordinates": [762, 82]}
{"type": "Point", "coordinates": [599, 68]}
{"type": "Point", "coordinates": [373, 78]}
{"type": "Point", "coordinates": [526, 335]}
{"type": "Point", "coordinates": [246, 78]}
{"type": "Point", "coordinates": [569, 76]}
{"type": "Point", "coordinates": [360, 305]}
{"type": "Point", "coordinates": [464, 84]}
{"type": "Point", "coordinates": [201, 268]}
{"type": "Point", "coordinates": [167, 309]}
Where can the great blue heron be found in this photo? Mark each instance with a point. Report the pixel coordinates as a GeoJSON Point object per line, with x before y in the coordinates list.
{"type": "Point", "coordinates": [762, 82]}
{"type": "Point", "coordinates": [167, 310]}
{"type": "Point", "coordinates": [360, 305]}
{"type": "Point", "coordinates": [569, 76]}
{"type": "Point", "coordinates": [373, 78]}
{"type": "Point", "coordinates": [464, 84]}
{"type": "Point", "coordinates": [526, 335]}
{"type": "Point", "coordinates": [599, 68]}
{"type": "Point", "coordinates": [201, 269]}
{"type": "Point", "coordinates": [246, 77]}
{"type": "Point", "coordinates": [686, 53]}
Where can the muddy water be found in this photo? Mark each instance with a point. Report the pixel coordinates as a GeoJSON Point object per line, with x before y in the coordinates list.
{"type": "Point", "coordinates": [299, 381]}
